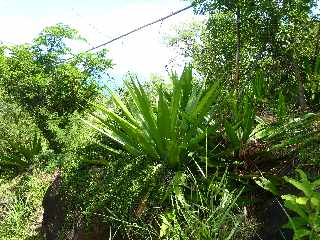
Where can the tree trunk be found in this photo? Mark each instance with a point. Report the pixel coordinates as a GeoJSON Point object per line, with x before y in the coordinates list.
{"type": "Point", "coordinates": [301, 96]}
{"type": "Point", "coordinates": [316, 49]}
{"type": "Point", "coordinates": [237, 75]}
{"type": "Point", "coordinates": [301, 91]}
{"type": "Point", "coordinates": [49, 135]}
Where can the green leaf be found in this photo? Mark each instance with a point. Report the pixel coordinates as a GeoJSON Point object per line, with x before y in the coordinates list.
{"type": "Point", "coordinates": [290, 202]}
{"type": "Point", "coordinates": [118, 137]}
{"type": "Point", "coordinates": [303, 176]}
{"type": "Point", "coordinates": [266, 184]}
{"type": "Point", "coordinates": [232, 135]}
{"type": "Point", "coordinates": [205, 103]}
{"type": "Point", "coordinates": [281, 108]}
{"type": "Point", "coordinates": [315, 201]}
{"type": "Point", "coordinates": [306, 188]}
{"type": "Point", "coordinates": [121, 105]}
{"type": "Point", "coordinates": [163, 122]}
{"type": "Point", "coordinates": [301, 233]}
{"type": "Point", "coordinates": [298, 222]}
{"type": "Point", "coordinates": [302, 200]}
{"type": "Point", "coordinates": [248, 119]}
{"type": "Point", "coordinates": [164, 226]}
{"type": "Point", "coordinates": [186, 80]}
{"type": "Point", "coordinates": [316, 183]}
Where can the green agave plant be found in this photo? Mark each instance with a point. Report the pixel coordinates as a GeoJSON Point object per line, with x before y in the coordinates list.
{"type": "Point", "coordinates": [164, 129]}
{"type": "Point", "coordinates": [300, 131]}
{"type": "Point", "coordinates": [18, 154]}
{"type": "Point", "coordinates": [239, 128]}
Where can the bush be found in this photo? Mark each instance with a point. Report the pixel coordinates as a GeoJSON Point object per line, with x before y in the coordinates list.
{"type": "Point", "coordinates": [306, 223]}
{"type": "Point", "coordinates": [164, 130]}
{"type": "Point", "coordinates": [123, 194]}
{"type": "Point", "coordinates": [20, 139]}
{"type": "Point", "coordinates": [21, 204]}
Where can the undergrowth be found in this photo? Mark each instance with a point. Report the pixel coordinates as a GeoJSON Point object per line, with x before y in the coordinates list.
{"type": "Point", "coordinates": [21, 203]}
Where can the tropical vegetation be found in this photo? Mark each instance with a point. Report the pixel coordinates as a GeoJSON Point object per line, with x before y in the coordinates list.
{"type": "Point", "coordinates": [228, 149]}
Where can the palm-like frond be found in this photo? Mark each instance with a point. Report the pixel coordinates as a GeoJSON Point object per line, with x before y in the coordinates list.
{"type": "Point", "coordinates": [164, 129]}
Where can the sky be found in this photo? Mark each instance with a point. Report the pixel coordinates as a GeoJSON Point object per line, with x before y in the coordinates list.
{"type": "Point", "coordinates": [98, 21]}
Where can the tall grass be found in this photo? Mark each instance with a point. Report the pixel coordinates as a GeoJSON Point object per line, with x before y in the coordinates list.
{"type": "Point", "coordinates": [21, 204]}
{"type": "Point", "coordinates": [203, 213]}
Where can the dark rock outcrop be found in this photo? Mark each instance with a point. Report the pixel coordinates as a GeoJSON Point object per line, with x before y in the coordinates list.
{"type": "Point", "coordinates": [54, 218]}
{"type": "Point", "coordinates": [53, 215]}
{"type": "Point", "coordinates": [273, 217]}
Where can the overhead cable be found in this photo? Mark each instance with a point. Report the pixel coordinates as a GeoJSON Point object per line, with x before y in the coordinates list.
{"type": "Point", "coordinates": [139, 28]}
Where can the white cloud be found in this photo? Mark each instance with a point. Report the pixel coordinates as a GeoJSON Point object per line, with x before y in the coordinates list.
{"type": "Point", "coordinates": [141, 52]}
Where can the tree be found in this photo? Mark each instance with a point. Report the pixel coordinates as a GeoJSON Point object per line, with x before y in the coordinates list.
{"type": "Point", "coordinates": [276, 40]}
{"type": "Point", "coordinates": [48, 80]}
{"type": "Point", "coordinates": [235, 8]}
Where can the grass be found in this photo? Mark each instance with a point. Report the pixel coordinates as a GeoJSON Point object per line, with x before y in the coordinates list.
{"type": "Point", "coordinates": [204, 209]}
{"type": "Point", "coordinates": [21, 204]}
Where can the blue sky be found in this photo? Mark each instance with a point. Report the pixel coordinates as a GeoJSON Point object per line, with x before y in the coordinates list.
{"type": "Point", "coordinates": [99, 21]}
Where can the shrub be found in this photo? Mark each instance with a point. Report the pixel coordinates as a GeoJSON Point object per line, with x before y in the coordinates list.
{"type": "Point", "coordinates": [21, 204]}
{"type": "Point", "coordinates": [306, 222]}
{"type": "Point", "coordinates": [165, 130]}
{"type": "Point", "coordinates": [20, 140]}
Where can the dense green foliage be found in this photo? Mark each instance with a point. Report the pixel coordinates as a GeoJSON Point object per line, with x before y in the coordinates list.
{"type": "Point", "coordinates": [20, 140]}
{"type": "Point", "coordinates": [167, 129]}
{"type": "Point", "coordinates": [244, 39]}
{"type": "Point", "coordinates": [307, 223]}
{"type": "Point", "coordinates": [188, 158]}
{"type": "Point", "coordinates": [40, 78]}
{"type": "Point", "coordinates": [202, 215]}
{"type": "Point", "coordinates": [21, 202]}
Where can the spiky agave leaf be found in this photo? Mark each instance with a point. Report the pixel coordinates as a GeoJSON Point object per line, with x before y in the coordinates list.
{"type": "Point", "coordinates": [162, 130]}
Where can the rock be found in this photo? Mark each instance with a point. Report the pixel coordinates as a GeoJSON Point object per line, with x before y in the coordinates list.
{"type": "Point", "coordinates": [273, 218]}
{"type": "Point", "coordinates": [53, 214]}
{"type": "Point", "coordinates": [54, 220]}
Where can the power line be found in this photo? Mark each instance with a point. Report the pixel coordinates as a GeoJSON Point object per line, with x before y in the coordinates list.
{"type": "Point", "coordinates": [132, 31]}
{"type": "Point", "coordinates": [139, 28]}
{"type": "Point", "coordinates": [89, 24]}
{"type": "Point", "coordinates": [6, 42]}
